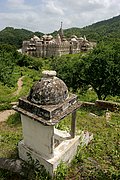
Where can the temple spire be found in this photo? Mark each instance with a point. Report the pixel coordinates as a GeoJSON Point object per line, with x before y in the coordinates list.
{"type": "Point", "coordinates": [61, 31]}
{"type": "Point", "coordinates": [61, 24]}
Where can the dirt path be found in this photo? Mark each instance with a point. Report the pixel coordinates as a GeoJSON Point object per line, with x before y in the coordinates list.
{"type": "Point", "coordinates": [19, 83]}
{"type": "Point", "coordinates": [5, 114]}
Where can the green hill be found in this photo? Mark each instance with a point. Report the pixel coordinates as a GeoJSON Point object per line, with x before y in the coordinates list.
{"type": "Point", "coordinates": [15, 37]}
{"type": "Point", "coordinates": [107, 30]}
{"type": "Point", "coordinates": [104, 30]}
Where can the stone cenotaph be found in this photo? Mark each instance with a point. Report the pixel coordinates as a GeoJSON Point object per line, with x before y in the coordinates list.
{"type": "Point", "coordinates": [47, 104]}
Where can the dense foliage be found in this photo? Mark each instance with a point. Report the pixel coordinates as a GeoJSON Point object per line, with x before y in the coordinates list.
{"type": "Point", "coordinates": [70, 69]}
{"type": "Point", "coordinates": [8, 57]}
{"type": "Point", "coordinates": [102, 70]}
{"type": "Point", "coordinates": [99, 69]}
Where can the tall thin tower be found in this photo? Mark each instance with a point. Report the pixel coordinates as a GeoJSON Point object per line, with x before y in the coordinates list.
{"type": "Point", "coordinates": [61, 31]}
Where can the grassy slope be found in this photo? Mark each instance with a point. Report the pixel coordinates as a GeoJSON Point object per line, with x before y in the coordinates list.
{"type": "Point", "coordinates": [7, 94]}
{"type": "Point", "coordinates": [99, 160]}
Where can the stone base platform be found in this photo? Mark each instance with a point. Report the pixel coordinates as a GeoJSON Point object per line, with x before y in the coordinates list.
{"type": "Point", "coordinates": [65, 152]}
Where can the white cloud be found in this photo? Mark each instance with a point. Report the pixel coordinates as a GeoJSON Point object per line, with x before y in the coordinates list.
{"type": "Point", "coordinates": [18, 4]}
{"type": "Point", "coordinates": [52, 8]}
{"type": "Point", "coordinates": [24, 20]}
{"type": "Point", "coordinates": [46, 15]}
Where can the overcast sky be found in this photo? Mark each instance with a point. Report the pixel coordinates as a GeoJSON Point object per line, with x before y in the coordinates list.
{"type": "Point", "coordinates": [45, 15]}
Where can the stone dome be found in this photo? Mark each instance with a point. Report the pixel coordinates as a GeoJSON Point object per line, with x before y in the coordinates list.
{"type": "Point", "coordinates": [81, 38]}
{"type": "Point", "coordinates": [49, 37]}
{"type": "Point", "coordinates": [50, 90]}
{"type": "Point", "coordinates": [73, 40]}
{"type": "Point", "coordinates": [74, 36]}
{"type": "Point", "coordinates": [36, 38]}
{"type": "Point", "coordinates": [45, 36]}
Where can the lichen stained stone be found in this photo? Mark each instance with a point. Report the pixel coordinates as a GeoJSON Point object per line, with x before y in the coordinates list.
{"type": "Point", "coordinates": [50, 90]}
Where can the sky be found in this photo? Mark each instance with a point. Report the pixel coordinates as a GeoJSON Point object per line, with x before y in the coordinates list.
{"type": "Point", "coordinates": [46, 15]}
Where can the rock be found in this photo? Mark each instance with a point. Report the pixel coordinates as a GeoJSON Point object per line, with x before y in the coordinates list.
{"type": "Point", "coordinates": [13, 165]}
{"type": "Point", "coordinates": [93, 115]}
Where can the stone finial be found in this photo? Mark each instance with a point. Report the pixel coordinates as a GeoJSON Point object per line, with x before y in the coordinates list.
{"type": "Point", "coordinates": [47, 74]}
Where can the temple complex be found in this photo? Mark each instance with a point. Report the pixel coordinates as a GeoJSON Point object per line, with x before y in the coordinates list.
{"type": "Point", "coordinates": [49, 46]}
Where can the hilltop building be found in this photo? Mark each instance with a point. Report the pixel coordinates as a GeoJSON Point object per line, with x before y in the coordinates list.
{"type": "Point", "coordinates": [48, 46]}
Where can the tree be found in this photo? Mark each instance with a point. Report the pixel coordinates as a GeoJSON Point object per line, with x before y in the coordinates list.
{"type": "Point", "coordinates": [6, 68]}
{"type": "Point", "coordinates": [70, 69]}
{"type": "Point", "coordinates": [102, 71]}
{"type": "Point", "coordinates": [8, 56]}
{"type": "Point", "coordinates": [99, 68]}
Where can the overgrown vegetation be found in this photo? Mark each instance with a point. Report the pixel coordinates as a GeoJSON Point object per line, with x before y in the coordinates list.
{"type": "Point", "coordinates": [100, 159]}
{"type": "Point", "coordinates": [10, 135]}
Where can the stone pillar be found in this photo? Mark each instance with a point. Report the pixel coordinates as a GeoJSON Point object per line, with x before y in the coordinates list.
{"type": "Point", "coordinates": [37, 136]}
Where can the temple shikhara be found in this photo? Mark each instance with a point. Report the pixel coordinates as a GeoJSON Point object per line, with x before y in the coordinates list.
{"type": "Point", "coordinates": [49, 46]}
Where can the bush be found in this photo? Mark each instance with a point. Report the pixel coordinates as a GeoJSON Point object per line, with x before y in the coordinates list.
{"type": "Point", "coordinates": [5, 106]}
{"type": "Point", "coordinates": [14, 119]}
{"type": "Point", "coordinates": [61, 171]}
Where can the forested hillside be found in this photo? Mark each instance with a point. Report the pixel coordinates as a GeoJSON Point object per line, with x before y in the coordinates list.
{"type": "Point", "coordinates": [15, 37]}
{"type": "Point", "coordinates": [104, 30]}
{"type": "Point", "coordinates": [107, 30]}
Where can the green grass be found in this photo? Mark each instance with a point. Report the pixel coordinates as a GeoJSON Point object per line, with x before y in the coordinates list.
{"type": "Point", "coordinates": [10, 135]}
{"type": "Point", "coordinates": [113, 99]}
{"type": "Point", "coordinates": [98, 160]}
{"type": "Point", "coordinates": [7, 94]}
{"type": "Point", "coordinates": [89, 96]}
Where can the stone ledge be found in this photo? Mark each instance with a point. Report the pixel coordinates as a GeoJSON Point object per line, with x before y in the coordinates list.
{"type": "Point", "coordinates": [46, 111]}
{"type": "Point", "coordinates": [52, 121]}
{"type": "Point", "coordinates": [112, 106]}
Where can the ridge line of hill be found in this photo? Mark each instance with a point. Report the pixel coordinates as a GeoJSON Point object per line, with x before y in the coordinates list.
{"type": "Point", "coordinates": [107, 30]}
